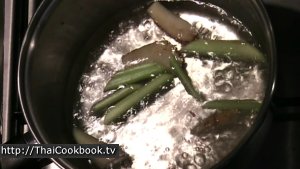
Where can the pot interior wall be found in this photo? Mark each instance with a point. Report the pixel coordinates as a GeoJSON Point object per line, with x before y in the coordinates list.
{"type": "Point", "coordinates": [57, 50]}
{"type": "Point", "coordinates": [56, 57]}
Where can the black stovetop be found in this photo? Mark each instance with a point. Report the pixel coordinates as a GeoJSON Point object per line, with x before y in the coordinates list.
{"type": "Point", "coordinates": [279, 143]}
{"type": "Point", "coordinates": [280, 146]}
{"type": "Point", "coordinates": [281, 149]}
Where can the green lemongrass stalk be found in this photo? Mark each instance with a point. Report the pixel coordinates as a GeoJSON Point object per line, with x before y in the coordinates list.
{"type": "Point", "coordinates": [185, 79]}
{"type": "Point", "coordinates": [128, 102]}
{"type": "Point", "coordinates": [235, 50]}
{"type": "Point", "coordinates": [247, 104]}
{"type": "Point", "coordinates": [137, 74]}
{"type": "Point", "coordinates": [108, 101]}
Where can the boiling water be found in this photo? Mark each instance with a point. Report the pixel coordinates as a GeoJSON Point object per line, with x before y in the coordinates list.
{"type": "Point", "coordinates": [159, 135]}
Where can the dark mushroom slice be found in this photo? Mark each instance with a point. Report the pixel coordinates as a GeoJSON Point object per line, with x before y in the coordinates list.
{"type": "Point", "coordinates": [83, 138]}
{"type": "Point", "coordinates": [158, 52]}
{"type": "Point", "coordinates": [218, 122]}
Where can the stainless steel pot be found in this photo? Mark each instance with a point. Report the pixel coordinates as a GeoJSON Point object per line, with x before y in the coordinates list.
{"type": "Point", "coordinates": [54, 52]}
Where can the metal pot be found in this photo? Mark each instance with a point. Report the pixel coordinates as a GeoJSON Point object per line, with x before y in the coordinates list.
{"type": "Point", "coordinates": [54, 52]}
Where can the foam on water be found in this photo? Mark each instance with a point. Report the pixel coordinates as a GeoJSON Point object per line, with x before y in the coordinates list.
{"type": "Point", "coordinates": [159, 136]}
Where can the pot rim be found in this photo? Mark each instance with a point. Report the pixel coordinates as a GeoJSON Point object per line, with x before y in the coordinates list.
{"type": "Point", "coordinates": [40, 18]}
